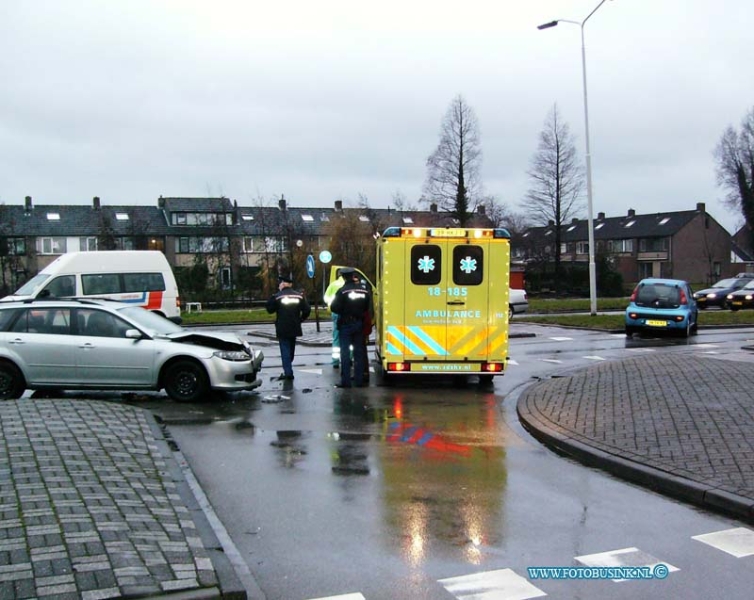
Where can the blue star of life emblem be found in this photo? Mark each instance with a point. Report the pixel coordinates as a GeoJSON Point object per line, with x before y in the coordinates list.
{"type": "Point", "coordinates": [468, 265]}
{"type": "Point", "coordinates": [426, 264]}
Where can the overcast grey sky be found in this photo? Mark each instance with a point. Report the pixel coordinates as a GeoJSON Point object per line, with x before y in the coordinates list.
{"type": "Point", "coordinates": [325, 100]}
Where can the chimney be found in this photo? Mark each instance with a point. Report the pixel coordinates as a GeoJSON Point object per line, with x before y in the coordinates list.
{"type": "Point", "coordinates": [700, 206]}
{"type": "Point", "coordinates": [433, 207]}
{"type": "Point", "coordinates": [281, 202]}
{"type": "Point", "coordinates": [95, 202]}
{"type": "Point", "coordinates": [339, 205]}
{"type": "Point", "coordinates": [481, 209]}
{"type": "Point", "coordinates": [600, 216]}
{"type": "Point", "coordinates": [574, 221]}
{"type": "Point", "coordinates": [631, 212]}
{"type": "Point", "coordinates": [28, 205]}
{"type": "Point", "coordinates": [550, 223]}
{"type": "Point", "coordinates": [161, 202]}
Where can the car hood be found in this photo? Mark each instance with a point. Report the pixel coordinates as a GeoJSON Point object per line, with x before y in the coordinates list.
{"type": "Point", "coordinates": [713, 291]}
{"type": "Point", "coordinates": [221, 340]}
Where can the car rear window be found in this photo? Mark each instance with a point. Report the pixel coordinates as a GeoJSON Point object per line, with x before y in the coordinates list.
{"type": "Point", "coordinates": [659, 295]}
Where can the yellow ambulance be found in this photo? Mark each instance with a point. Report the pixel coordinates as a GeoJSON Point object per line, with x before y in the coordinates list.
{"type": "Point", "coordinates": [441, 301]}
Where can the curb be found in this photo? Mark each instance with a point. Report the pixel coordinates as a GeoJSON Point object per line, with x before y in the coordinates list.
{"type": "Point", "coordinates": [653, 478]}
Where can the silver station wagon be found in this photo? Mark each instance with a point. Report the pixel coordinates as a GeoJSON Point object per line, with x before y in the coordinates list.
{"type": "Point", "coordinates": [107, 345]}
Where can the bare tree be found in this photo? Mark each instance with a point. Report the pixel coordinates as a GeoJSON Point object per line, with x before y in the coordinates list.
{"type": "Point", "coordinates": [453, 180]}
{"type": "Point", "coordinates": [735, 169]}
{"type": "Point", "coordinates": [557, 179]}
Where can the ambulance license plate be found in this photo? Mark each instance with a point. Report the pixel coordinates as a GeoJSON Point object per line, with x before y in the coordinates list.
{"type": "Point", "coordinates": [654, 323]}
{"type": "Point", "coordinates": [437, 367]}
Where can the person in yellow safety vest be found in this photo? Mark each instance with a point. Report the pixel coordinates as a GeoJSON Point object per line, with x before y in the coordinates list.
{"type": "Point", "coordinates": [330, 292]}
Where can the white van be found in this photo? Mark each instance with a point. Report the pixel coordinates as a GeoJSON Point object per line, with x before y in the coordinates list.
{"type": "Point", "coordinates": [141, 277]}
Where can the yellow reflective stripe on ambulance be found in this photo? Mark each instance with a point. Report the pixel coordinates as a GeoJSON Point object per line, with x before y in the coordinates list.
{"type": "Point", "coordinates": [461, 341]}
{"type": "Point", "coordinates": [406, 340]}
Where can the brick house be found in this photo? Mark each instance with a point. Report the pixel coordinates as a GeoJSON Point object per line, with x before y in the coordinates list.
{"type": "Point", "coordinates": [229, 238]}
{"type": "Point", "coordinates": [688, 245]}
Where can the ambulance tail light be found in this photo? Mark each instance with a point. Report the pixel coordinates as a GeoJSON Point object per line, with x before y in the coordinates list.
{"type": "Point", "coordinates": [398, 367]}
{"type": "Point", "coordinates": [492, 367]}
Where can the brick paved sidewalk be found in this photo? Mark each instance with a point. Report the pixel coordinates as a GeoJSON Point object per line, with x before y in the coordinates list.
{"type": "Point", "coordinates": [93, 505]}
{"type": "Point", "coordinates": [678, 423]}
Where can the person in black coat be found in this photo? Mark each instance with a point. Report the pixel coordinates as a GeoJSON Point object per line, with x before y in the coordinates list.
{"type": "Point", "coordinates": [352, 303]}
{"type": "Point", "coordinates": [291, 308]}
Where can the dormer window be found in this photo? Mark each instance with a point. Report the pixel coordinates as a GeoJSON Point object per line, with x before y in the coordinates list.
{"type": "Point", "coordinates": [247, 217]}
{"type": "Point", "coordinates": [408, 220]}
{"type": "Point", "coordinates": [307, 218]}
{"type": "Point", "coordinates": [121, 216]}
{"type": "Point", "coordinates": [363, 218]}
{"type": "Point", "coordinates": [53, 216]}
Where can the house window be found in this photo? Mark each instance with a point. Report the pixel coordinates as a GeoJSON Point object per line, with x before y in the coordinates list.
{"type": "Point", "coordinates": [51, 245]}
{"type": "Point", "coordinates": [179, 218]}
{"type": "Point", "coordinates": [224, 278]}
{"type": "Point", "coordinates": [307, 218]}
{"type": "Point", "coordinates": [15, 246]}
{"type": "Point", "coordinates": [653, 244]}
{"type": "Point", "coordinates": [274, 245]}
{"type": "Point", "coordinates": [88, 244]}
{"type": "Point", "coordinates": [716, 269]}
{"type": "Point", "coordinates": [620, 246]}
{"type": "Point", "coordinates": [121, 216]}
{"type": "Point", "coordinates": [124, 243]}
{"type": "Point", "coordinates": [564, 248]}
{"type": "Point", "coordinates": [202, 245]}
{"type": "Point", "coordinates": [582, 247]}
{"type": "Point", "coordinates": [645, 270]}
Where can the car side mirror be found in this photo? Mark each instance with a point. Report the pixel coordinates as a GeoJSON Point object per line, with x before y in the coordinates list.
{"type": "Point", "coordinates": [133, 334]}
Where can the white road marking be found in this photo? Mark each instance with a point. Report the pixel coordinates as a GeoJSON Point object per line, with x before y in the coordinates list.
{"type": "Point", "coordinates": [562, 339]}
{"type": "Point", "coordinates": [594, 357]}
{"type": "Point", "coordinates": [738, 542]}
{"type": "Point", "coordinates": [355, 596]}
{"type": "Point", "coordinates": [625, 557]}
{"type": "Point", "coordinates": [552, 360]}
{"type": "Point", "coordinates": [503, 584]}
{"type": "Point", "coordinates": [312, 371]}
{"type": "Point", "coordinates": [512, 361]}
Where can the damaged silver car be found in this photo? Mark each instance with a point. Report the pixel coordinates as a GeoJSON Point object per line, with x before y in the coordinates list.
{"type": "Point", "coordinates": [107, 345]}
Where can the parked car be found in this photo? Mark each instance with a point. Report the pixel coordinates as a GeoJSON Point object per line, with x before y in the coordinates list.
{"type": "Point", "coordinates": [718, 293]}
{"type": "Point", "coordinates": [662, 305]}
{"type": "Point", "coordinates": [743, 298]}
{"type": "Point", "coordinates": [103, 344]}
{"type": "Point", "coordinates": [518, 302]}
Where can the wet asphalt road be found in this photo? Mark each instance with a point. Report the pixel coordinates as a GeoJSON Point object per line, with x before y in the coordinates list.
{"type": "Point", "coordinates": [390, 492]}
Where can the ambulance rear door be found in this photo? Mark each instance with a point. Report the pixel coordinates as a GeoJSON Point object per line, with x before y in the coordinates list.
{"type": "Point", "coordinates": [447, 302]}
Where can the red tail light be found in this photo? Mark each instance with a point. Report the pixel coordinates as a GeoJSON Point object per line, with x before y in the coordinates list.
{"type": "Point", "coordinates": [633, 294]}
{"type": "Point", "coordinates": [684, 300]}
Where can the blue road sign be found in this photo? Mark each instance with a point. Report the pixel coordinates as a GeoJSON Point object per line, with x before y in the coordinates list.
{"type": "Point", "coordinates": [310, 266]}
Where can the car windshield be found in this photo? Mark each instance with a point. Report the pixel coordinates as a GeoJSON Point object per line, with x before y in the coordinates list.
{"type": "Point", "coordinates": [659, 295]}
{"type": "Point", "coordinates": [749, 286]}
{"type": "Point", "coordinates": [28, 288]}
{"type": "Point", "coordinates": [726, 283]}
{"type": "Point", "coordinates": [152, 322]}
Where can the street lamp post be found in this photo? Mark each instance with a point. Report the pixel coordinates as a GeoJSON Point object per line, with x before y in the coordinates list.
{"type": "Point", "coordinates": [589, 194]}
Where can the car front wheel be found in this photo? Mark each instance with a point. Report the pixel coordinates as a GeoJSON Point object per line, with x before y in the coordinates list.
{"type": "Point", "coordinates": [12, 382]}
{"type": "Point", "coordinates": [186, 381]}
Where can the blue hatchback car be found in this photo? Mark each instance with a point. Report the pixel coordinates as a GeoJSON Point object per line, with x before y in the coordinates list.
{"type": "Point", "coordinates": [662, 305]}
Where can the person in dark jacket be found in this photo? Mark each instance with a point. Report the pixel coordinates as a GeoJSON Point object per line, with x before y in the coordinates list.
{"type": "Point", "coordinates": [351, 303]}
{"type": "Point", "coordinates": [291, 309]}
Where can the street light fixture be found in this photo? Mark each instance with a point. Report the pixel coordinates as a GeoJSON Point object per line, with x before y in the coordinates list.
{"type": "Point", "coordinates": [590, 202]}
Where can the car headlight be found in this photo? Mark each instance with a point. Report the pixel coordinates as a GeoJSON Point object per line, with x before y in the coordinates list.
{"type": "Point", "coordinates": [749, 296]}
{"type": "Point", "coordinates": [711, 296]}
{"type": "Point", "coordinates": [235, 355]}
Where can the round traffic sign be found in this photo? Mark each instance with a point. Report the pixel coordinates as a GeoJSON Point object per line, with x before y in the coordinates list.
{"type": "Point", "coordinates": [325, 257]}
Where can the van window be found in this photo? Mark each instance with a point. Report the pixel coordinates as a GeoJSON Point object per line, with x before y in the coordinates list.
{"type": "Point", "coordinates": [143, 282]}
{"type": "Point", "coordinates": [468, 265]}
{"type": "Point", "coordinates": [94, 285]}
{"type": "Point", "coordinates": [426, 264]}
{"type": "Point", "coordinates": [62, 286]}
